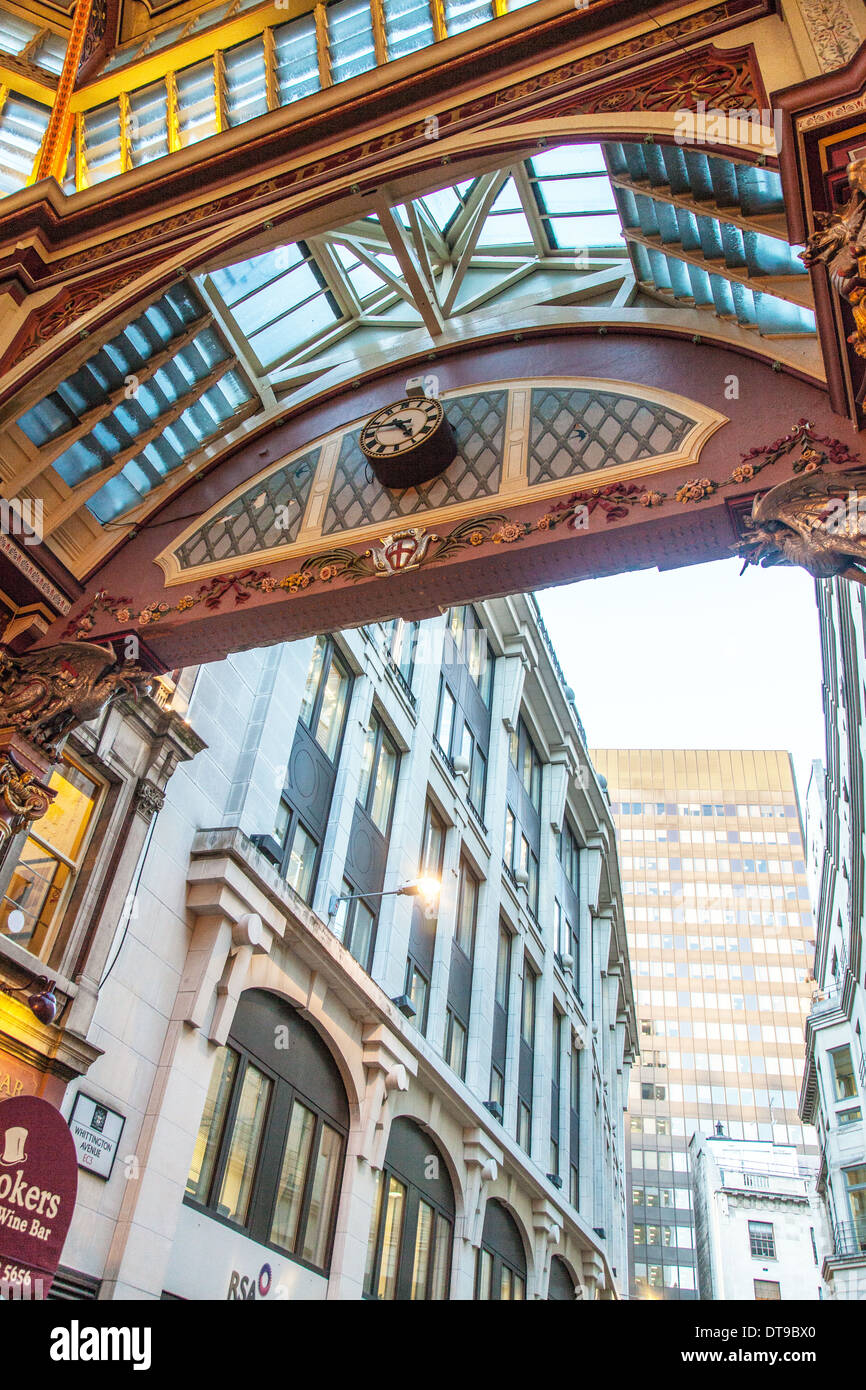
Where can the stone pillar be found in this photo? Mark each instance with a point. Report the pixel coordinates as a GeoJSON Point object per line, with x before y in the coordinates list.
{"type": "Point", "coordinates": [388, 1065]}
{"type": "Point", "coordinates": [547, 1228]}
{"type": "Point", "coordinates": [232, 920]}
{"type": "Point", "coordinates": [483, 1160]}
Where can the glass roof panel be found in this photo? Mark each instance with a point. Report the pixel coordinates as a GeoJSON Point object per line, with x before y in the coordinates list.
{"type": "Point", "coordinates": [593, 230]}
{"type": "Point", "coordinates": [292, 330]}
{"type": "Point", "coordinates": [568, 159]}
{"type": "Point", "coordinates": [576, 195]}
{"type": "Point", "coordinates": [283, 294]}
{"type": "Point", "coordinates": [242, 279]}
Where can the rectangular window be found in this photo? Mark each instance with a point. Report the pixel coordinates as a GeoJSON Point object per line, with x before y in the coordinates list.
{"type": "Point", "coordinates": [455, 1043]}
{"type": "Point", "coordinates": [855, 1179]}
{"type": "Point", "coordinates": [524, 1125]}
{"type": "Point", "coordinates": [467, 908]}
{"type": "Point", "coordinates": [844, 1081]}
{"type": "Point", "coordinates": [148, 123]}
{"type": "Point", "coordinates": [196, 103]}
{"type": "Point", "coordinates": [497, 1087]}
{"type": "Point", "coordinates": [379, 764]}
{"type": "Point", "coordinates": [40, 883]}
{"type": "Point", "coordinates": [296, 59]}
{"type": "Point", "coordinates": [326, 694]}
{"type": "Point", "coordinates": [761, 1240]}
{"type": "Point", "coordinates": [210, 1129]}
{"type": "Point", "coordinates": [503, 967]}
{"type": "Point", "coordinates": [532, 883]}
{"type": "Point", "coordinates": [416, 988]}
{"type": "Point", "coordinates": [350, 37]}
{"type": "Point", "coordinates": [465, 14]}
{"type": "Point", "coordinates": [293, 1176]}
{"type": "Point", "coordinates": [766, 1289]}
{"type": "Point", "coordinates": [508, 849]}
{"type": "Point", "coordinates": [432, 844]}
{"type": "Point", "coordinates": [394, 1212]}
{"type": "Point", "coordinates": [470, 637]}
{"type": "Point", "coordinates": [237, 1181]}
{"type": "Point", "coordinates": [302, 862]}
{"type": "Point", "coordinates": [445, 719]}
{"type": "Point", "coordinates": [527, 1011]}
{"type": "Point", "coordinates": [245, 81]}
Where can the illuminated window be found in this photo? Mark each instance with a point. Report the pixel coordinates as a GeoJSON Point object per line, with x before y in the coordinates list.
{"type": "Point", "coordinates": [269, 1153]}
{"type": "Point", "coordinates": [409, 1245]}
{"type": "Point", "coordinates": [39, 884]}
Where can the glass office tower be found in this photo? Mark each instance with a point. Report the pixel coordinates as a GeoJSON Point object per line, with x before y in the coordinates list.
{"type": "Point", "coordinates": [721, 939]}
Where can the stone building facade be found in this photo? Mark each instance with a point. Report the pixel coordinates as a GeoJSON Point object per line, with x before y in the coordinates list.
{"type": "Point", "coordinates": [384, 1095]}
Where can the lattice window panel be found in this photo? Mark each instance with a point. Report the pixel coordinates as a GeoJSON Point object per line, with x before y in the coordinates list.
{"type": "Point", "coordinates": [478, 422]}
{"type": "Point", "coordinates": [252, 522]}
{"type": "Point", "coordinates": [617, 429]}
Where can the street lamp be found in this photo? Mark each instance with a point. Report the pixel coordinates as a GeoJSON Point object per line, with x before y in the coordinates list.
{"type": "Point", "coordinates": [41, 1001]}
{"type": "Point", "coordinates": [423, 887]}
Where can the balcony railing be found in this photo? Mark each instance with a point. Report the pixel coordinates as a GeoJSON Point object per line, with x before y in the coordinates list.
{"type": "Point", "coordinates": [849, 1239]}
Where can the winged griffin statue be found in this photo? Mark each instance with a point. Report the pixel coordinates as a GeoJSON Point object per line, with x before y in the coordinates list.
{"type": "Point", "coordinates": [812, 520]}
{"type": "Point", "coordinates": [46, 692]}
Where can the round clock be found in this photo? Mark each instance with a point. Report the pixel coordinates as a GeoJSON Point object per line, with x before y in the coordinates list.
{"type": "Point", "coordinates": [409, 442]}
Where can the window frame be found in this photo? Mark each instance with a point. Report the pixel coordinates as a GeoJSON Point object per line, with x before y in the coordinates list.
{"type": "Point", "coordinates": [762, 1246]}
{"type": "Point", "coordinates": [49, 954]}
{"type": "Point", "coordinates": [332, 656]}
{"type": "Point", "coordinates": [381, 737]}
{"type": "Point", "coordinates": [267, 1170]}
{"type": "Point", "coordinates": [414, 1195]}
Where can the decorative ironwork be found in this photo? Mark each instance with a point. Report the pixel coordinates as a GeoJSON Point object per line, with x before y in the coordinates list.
{"type": "Point", "coordinates": [24, 799]}
{"type": "Point", "coordinates": [268, 514]}
{"type": "Point", "coordinates": [580, 430]}
{"type": "Point", "coordinates": [46, 693]}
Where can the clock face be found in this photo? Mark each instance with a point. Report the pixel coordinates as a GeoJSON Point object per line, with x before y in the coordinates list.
{"type": "Point", "coordinates": [401, 427]}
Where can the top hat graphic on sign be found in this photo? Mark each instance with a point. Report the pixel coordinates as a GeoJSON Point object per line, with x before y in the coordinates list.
{"type": "Point", "coordinates": [13, 1146]}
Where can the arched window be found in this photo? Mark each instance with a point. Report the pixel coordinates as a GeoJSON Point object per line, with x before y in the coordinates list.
{"type": "Point", "coordinates": [270, 1146]}
{"type": "Point", "coordinates": [500, 1267]}
{"type": "Point", "coordinates": [561, 1286]}
{"type": "Point", "coordinates": [409, 1252]}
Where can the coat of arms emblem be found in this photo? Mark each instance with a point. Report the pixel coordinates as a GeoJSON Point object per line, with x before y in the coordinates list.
{"type": "Point", "coordinates": [403, 550]}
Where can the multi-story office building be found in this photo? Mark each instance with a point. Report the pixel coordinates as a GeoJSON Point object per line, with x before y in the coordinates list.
{"type": "Point", "coordinates": [760, 1228]}
{"type": "Point", "coordinates": [331, 1085]}
{"type": "Point", "coordinates": [834, 1084]}
{"type": "Point", "coordinates": [721, 938]}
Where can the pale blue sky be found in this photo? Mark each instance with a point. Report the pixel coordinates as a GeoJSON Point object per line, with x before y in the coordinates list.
{"type": "Point", "coordinates": [694, 658]}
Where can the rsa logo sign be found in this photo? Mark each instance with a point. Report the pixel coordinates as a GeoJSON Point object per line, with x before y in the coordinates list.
{"type": "Point", "coordinates": [38, 1185]}
{"type": "Point", "coordinates": [247, 1286]}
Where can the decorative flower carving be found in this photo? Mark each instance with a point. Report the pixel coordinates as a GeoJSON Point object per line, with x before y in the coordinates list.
{"type": "Point", "coordinates": [652, 499]}
{"type": "Point", "coordinates": [508, 533]}
{"type": "Point", "coordinates": [695, 490]}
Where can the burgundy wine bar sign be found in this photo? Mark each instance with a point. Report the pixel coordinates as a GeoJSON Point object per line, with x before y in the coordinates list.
{"type": "Point", "coordinates": [38, 1185]}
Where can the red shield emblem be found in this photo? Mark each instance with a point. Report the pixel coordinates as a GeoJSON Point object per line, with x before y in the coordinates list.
{"type": "Point", "coordinates": [401, 552]}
